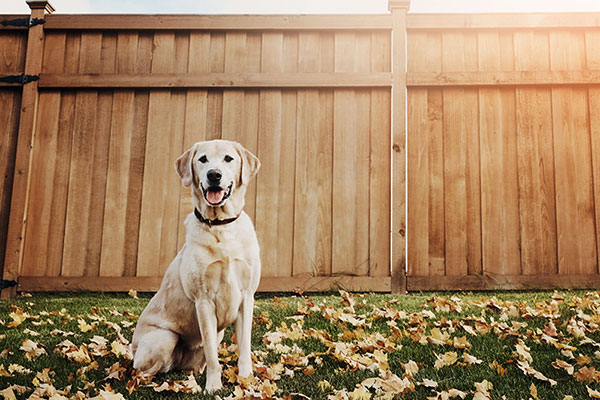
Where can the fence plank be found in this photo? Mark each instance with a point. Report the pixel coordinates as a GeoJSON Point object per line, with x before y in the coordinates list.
{"type": "Point", "coordinates": [380, 163]}
{"type": "Point", "coordinates": [535, 160]}
{"type": "Point", "coordinates": [42, 178]}
{"type": "Point", "coordinates": [572, 152]}
{"type": "Point", "coordinates": [135, 188]}
{"type": "Point", "coordinates": [270, 153]}
{"type": "Point", "coordinates": [425, 188]}
{"type": "Point", "coordinates": [9, 119]}
{"type": "Point", "coordinates": [345, 139]}
{"type": "Point", "coordinates": [12, 51]}
{"type": "Point", "coordinates": [156, 247]}
{"type": "Point", "coordinates": [499, 182]}
{"type": "Point", "coordinates": [593, 61]}
{"type": "Point", "coordinates": [117, 185]}
{"type": "Point", "coordinates": [462, 189]}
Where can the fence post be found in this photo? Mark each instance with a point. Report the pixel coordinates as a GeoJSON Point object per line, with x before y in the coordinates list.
{"type": "Point", "coordinates": [27, 121]}
{"type": "Point", "coordinates": [399, 9]}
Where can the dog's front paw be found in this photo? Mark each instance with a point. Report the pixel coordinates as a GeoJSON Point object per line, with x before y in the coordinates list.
{"type": "Point", "coordinates": [245, 369]}
{"type": "Point", "coordinates": [213, 382]}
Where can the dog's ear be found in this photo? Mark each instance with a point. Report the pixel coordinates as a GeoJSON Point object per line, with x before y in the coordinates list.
{"type": "Point", "coordinates": [183, 166]}
{"type": "Point", "coordinates": [249, 165]}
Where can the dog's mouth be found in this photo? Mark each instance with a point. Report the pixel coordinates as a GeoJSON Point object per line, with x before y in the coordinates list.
{"type": "Point", "coordinates": [216, 195]}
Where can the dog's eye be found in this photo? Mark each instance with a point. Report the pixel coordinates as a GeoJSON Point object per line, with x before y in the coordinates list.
{"type": "Point", "coordinates": [228, 158]}
{"type": "Point", "coordinates": [203, 159]}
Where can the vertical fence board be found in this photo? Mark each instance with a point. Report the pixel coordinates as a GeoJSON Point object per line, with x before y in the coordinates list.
{"type": "Point", "coordinates": [345, 139]}
{"type": "Point", "coordinates": [535, 159]}
{"type": "Point", "coordinates": [592, 42]}
{"type": "Point", "coordinates": [9, 119]}
{"type": "Point", "coordinates": [42, 178]}
{"type": "Point", "coordinates": [310, 196]}
{"type": "Point", "coordinates": [499, 181]}
{"type": "Point", "coordinates": [462, 191]}
{"type": "Point", "coordinates": [425, 176]}
{"type": "Point", "coordinates": [572, 152]}
{"type": "Point", "coordinates": [12, 52]}
{"type": "Point", "coordinates": [154, 246]}
{"type": "Point", "coordinates": [270, 154]}
{"type": "Point", "coordinates": [380, 162]}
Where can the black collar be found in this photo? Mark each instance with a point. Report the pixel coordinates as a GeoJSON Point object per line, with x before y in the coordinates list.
{"type": "Point", "coordinates": [211, 222]}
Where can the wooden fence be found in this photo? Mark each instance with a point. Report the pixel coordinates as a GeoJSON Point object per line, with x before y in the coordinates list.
{"type": "Point", "coordinates": [494, 186]}
{"type": "Point", "coordinates": [503, 151]}
{"type": "Point", "coordinates": [96, 203]}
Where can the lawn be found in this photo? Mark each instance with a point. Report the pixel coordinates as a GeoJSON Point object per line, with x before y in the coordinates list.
{"type": "Point", "coordinates": [500, 345]}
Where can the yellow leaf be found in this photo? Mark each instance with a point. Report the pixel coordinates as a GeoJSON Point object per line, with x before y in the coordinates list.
{"type": "Point", "coordinates": [360, 394]}
{"type": "Point", "coordinates": [461, 343]}
{"type": "Point", "coordinates": [324, 386]}
{"type": "Point", "coordinates": [411, 368]}
{"type": "Point", "coordinates": [593, 393]}
{"type": "Point", "coordinates": [8, 394]}
{"type": "Point", "coordinates": [84, 326]}
{"type": "Point", "coordinates": [133, 293]}
{"type": "Point", "coordinates": [18, 318]}
{"type": "Point", "coordinates": [32, 349]}
{"type": "Point", "coordinates": [445, 359]}
{"type": "Point", "coordinates": [533, 391]}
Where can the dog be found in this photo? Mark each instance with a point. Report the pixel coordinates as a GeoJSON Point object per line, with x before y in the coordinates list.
{"type": "Point", "coordinates": [212, 280]}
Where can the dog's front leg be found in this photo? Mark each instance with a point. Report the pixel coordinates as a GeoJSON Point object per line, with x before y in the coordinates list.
{"type": "Point", "coordinates": [207, 320]}
{"type": "Point", "coordinates": [244, 334]}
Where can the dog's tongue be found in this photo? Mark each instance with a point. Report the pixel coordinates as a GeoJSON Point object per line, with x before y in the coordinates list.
{"type": "Point", "coordinates": [215, 197]}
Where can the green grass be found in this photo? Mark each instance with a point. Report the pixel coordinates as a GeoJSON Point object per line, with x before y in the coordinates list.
{"type": "Point", "coordinates": [272, 313]}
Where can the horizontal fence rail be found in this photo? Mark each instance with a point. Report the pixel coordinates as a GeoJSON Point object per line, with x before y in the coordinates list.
{"type": "Point", "coordinates": [218, 80]}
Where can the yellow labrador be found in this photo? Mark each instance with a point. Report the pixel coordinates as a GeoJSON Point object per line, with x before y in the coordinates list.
{"type": "Point", "coordinates": [212, 281]}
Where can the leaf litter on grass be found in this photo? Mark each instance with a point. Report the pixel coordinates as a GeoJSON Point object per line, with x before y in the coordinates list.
{"type": "Point", "coordinates": [348, 346]}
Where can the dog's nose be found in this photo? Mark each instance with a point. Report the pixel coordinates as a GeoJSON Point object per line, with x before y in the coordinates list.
{"type": "Point", "coordinates": [214, 176]}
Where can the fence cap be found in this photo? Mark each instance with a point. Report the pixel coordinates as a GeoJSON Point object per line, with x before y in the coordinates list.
{"type": "Point", "coordinates": [41, 5]}
{"type": "Point", "coordinates": [398, 4]}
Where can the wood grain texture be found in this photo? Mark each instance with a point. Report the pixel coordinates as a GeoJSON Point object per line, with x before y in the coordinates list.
{"type": "Point", "coordinates": [425, 165]}
{"type": "Point", "coordinates": [499, 180]}
{"type": "Point", "coordinates": [21, 182]}
{"type": "Point", "coordinates": [399, 65]}
{"type": "Point", "coordinates": [81, 215]}
{"type": "Point", "coordinates": [535, 159]}
{"type": "Point", "coordinates": [575, 215]}
{"type": "Point", "coordinates": [346, 184]}
{"type": "Point", "coordinates": [9, 119]}
{"type": "Point", "coordinates": [462, 182]}
{"type": "Point", "coordinates": [270, 153]}
{"type": "Point", "coordinates": [218, 22]}
{"type": "Point", "coordinates": [157, 239]}
{"type": "Point", "coordinates": [12, 52]}
{"type": "Point", "coordinates": [380, 154]}
{"type": "Point", "coordinates": [117, 183]}
{"type": "Point", "coordinates": [593, 61]}
{"type": "Point", "coordinates": [42, 179]}
{"type": "Point", "coordinates": [314, 163]}
{"type": "Point", "coordinates": [503, 282]}
{"type": "Point", "coordinates": [151, 284]}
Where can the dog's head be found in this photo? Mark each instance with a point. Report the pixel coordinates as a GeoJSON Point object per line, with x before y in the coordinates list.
{"type": "Point", "coordinates": [218, 170]}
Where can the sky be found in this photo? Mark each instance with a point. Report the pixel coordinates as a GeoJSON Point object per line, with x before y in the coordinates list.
{"type": "Point", "coordinates": [300, 6]}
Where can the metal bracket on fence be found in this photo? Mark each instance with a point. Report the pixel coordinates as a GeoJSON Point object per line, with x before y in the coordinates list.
{"type": "Point", "coordinates": [22, 79]}
{"type": "Point", "coordinates": [28, 22]}
{"type": "Point", "coordinates": [4, 284]}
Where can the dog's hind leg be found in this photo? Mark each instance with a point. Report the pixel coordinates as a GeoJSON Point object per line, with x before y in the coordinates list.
{"type": "Point", "coordinates": [154, 352]}
{"type": "Point", "coordinates": [192, 359]}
